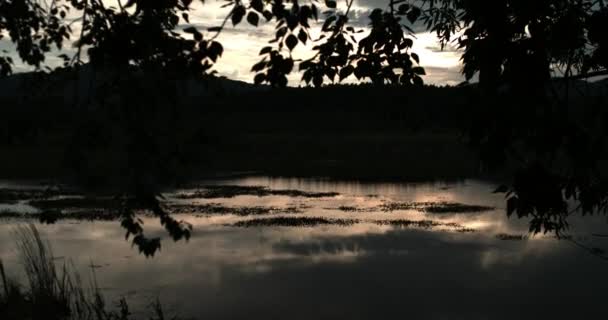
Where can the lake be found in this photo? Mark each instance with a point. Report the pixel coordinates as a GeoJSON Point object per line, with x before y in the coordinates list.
{"type": "Point", "coordinates": [277, 248]}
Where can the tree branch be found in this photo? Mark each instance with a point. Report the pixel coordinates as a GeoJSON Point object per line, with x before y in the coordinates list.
{"type": "Point", "coordinates": [586, 75]}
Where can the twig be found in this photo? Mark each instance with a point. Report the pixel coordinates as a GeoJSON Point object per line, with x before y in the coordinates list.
{"type": "Point", "coordinates": [587, 75]}
{"type": "Point", "coordinates": [77, 56]}
{"type": "Point", "coordinates": [221, 27]}
{"type": "Point", "coordinates": [4, 280]}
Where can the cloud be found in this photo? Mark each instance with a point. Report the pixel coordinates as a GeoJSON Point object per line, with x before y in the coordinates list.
{"type": "Point", "coordinates": [243, 43]}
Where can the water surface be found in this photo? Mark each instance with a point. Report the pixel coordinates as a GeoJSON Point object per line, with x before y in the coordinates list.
{"type": "Point", "coordinates": [459, 268]}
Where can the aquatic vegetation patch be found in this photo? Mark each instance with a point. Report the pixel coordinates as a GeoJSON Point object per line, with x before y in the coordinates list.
{"type": "Point", "coordinates": [425, 224]}
{"type": "Point", "coordinates": [512, 237]}
{"type": "Point", "coordinates": [353, 209]}
{"type": "Point", "coordinates": [434, 207]}
{"type": "Point", "coordinates": [427, 207]}
{"type": "Point", "coordinates": [293, 222]}
{"type": "Point", "coordinates": [453, 207]}
{"type": "Point", "coordinates": [319, 221]}
{"type": "Point", "coordinates": [217, 209]}
{"type": "Point", "coordinates": [213, 192]}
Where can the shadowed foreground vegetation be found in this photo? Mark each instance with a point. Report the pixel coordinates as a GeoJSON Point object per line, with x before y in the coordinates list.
{"type": "Point", "coordinates": [53, 292]}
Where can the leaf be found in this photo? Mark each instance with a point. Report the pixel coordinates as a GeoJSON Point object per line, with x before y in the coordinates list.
{"type": "Point", "coordinates": [327, 23]}
{"type": "Point", "coordinates": [281, 32]}
{"type": "Point", "coordinates": [253, 18]}
{"type": "Point", "coordinates": [215, 50]}
{"type": "Point", "coordinates": [346, 71]}
{"type": "Point", "coordinates": [305, 14]}
{"type": "Point", "coordinates": [413, 14]}
{"type": "Point", "coordinates": [331, 4]}
{"type": "Point", "coordinates": [265, 50]}
{"type": "Point", "coordinates": [259, 78]}
{"type": "Point", "coordinates": [291, 42]}
{"type": "Point", "coordinates": [257, 5]}
{"type": "Point", "coordinates": [317, 80]}
{"type": "Point", "coordinates": [186, 17]}
{"type": "Point", "coordinates": [259, 66]}
{"type": "Point", "coordinates": [304, 65]}
{"type": "Point", "coordinates": [418, 81]}
{"type": "Point", "coordinates": [267, 14]}
{"type": "Point", "coordinates": [286, 66]}
{"type": "Point", "coordinates": [419, 71]}
{"type": "Point", "coordinates": [190, 30]}
{"type": "Point", "coordinates": [415, 57]}
{"type": "Point", "coordinates": [197, 35]}
{"type": "Point", "coordinates": [512, 205]}
{"type": "Point", "coordinates": [214, 29]}
{"type": "Point", "coordinates": [408, 42]}
{"type": "Point", "coordinates": [302, 36]}
{"type": "Point", "coordinates": [237, 14]}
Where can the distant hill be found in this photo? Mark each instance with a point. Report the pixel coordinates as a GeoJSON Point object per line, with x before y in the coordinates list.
{"type": "Point", "coordinates": [76, 87]}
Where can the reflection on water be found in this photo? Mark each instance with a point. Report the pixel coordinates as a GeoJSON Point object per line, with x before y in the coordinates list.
{"type": "Point", "coordinates": [365, 270]}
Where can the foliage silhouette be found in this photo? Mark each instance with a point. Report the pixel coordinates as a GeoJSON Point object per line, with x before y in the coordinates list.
{"type": "Point", "coordinates": [514, 46]}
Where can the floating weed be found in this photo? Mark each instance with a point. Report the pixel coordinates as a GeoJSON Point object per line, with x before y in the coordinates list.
{"type": "Point", "coordinates": [293, 222]}
{"type": "Point", "coordinates": [217, 209]}
{"type": "Point", "coordinates": [397, 206]}
{"type": "Point", "coordinates": [353, 209]}
{"type": "Point", "coordinates": [424, 224]}
{"type": "Point", "coordinates": [512, 237]}
{"type": "Point", "coordinates": [433, 207]}
{"type": "Point", "coordinates": [213, 192]}
{"type": "Point", "coordinates": [318, 221]}
{"type": "Point", "coordinates": [452, 207]}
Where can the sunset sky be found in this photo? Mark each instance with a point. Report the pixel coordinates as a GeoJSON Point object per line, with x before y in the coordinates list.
{"type": "Point", "coordinates": [243, 43]}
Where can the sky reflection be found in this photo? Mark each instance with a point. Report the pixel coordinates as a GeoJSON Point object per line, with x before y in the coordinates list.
{"type": "Point", "coordinates": [363, 271]}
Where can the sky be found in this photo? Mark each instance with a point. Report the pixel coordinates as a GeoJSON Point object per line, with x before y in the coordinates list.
{"type": "Point", "coordinates": [243, 43]}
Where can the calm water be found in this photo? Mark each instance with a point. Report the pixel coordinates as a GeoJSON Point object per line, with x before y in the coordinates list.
{"type": "Point", "coordinates": [363, 271]}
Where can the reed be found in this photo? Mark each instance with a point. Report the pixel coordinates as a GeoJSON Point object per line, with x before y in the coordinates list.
{"type": "Point", "coordinates": [52, 290]}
